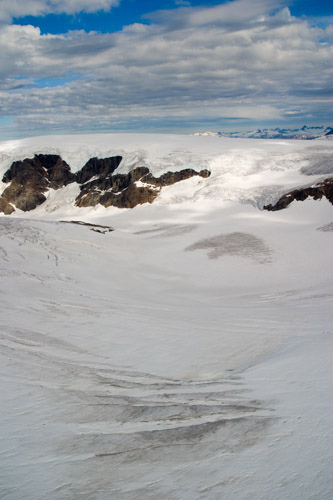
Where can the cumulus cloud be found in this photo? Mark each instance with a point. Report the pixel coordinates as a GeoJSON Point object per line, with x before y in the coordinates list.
{"type": "Point", "coordinates": [268, 67]}
{"type": "Point", "coordinates": [13, 8]}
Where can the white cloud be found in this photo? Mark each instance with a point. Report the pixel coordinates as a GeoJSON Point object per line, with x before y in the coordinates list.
{"type": "Point", "coordinates": [13, 8]}
{"type": "Point", "coordinates": [262, 68]}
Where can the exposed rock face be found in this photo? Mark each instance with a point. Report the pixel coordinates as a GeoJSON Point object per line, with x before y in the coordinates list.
{"type": "Point", "coordinates": [170, 178]}
{"type": "Point", "coordinates": [101, 167]}
{"type": "Point", "coordinates": [323, 188]}
{"type": "Point", "coordinates": [24, 196]}
{"type": "Point", "coordinates": [93, 227]}
{"type": "Point", "coordinates": [6, 207]}
{"type": "Point", "coordinates": [46, 171]}
{"type": "Point", "coordinates": [118, 190]}
{"type": "Point", "coordinates": [30, 179]}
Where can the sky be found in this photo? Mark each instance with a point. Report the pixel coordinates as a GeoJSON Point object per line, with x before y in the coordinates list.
{"type": "Point", "coordinates": [176, 66]}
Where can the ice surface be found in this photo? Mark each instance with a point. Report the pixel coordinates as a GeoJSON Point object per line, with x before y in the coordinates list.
{"type": "Point", "coordinates": [133, 366]}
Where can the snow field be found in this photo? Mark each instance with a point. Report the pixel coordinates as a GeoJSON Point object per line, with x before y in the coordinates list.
{"type": "Point", "coordinates": [186, 355]}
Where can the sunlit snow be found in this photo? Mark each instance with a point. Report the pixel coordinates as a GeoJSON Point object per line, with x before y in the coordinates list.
{"type": "Point", "coordinates": [188, 353]}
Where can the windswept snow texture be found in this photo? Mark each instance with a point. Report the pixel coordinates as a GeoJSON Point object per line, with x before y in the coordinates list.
{"type": "Point", "coordinates": [187, 354]}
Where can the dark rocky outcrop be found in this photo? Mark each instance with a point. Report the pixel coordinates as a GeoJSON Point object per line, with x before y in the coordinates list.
{"type": "Point", "coordinates": [93, 227]}
{"type": "Point", "coordinates": [130, 197]}
{"type": "Point", "coordinates": [115, 183]}
{"type": "Point", "coordinates": [102, 167]}
{"type": "Point", "coordinates": [24, 196]}
{"type": "Point", "coordinates": [170, 178]}
{"type": "Point", "coordinates": [58, 172]}
{"type": "Point", "coordinates": [118, 190]}
{"type": "Point", "coordinates": [323, 188]}
{"type": "Point", "coordinates": [31, 178]}
{"type": "Point", "coordinates": [6, 207]}
{"type": "Point", "coordinates": [45, 171]}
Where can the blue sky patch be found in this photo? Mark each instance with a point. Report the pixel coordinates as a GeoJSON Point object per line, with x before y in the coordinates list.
{"type": "Point", "coordinates": [128, 12]}
{"type": "Point", "coordinates": [42, 83]}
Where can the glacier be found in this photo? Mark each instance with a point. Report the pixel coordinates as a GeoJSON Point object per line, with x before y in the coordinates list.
{"type": "Point", "coordinates": [188, 353]}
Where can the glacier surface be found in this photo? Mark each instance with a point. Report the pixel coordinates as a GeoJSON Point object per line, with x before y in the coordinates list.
{"type": "Point", "coordinates": [185, 355]}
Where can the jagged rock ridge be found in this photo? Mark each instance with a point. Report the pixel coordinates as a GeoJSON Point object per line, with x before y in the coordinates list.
{"type": "Point", "coordinates": [323, 188]}
{"type": "Point", "coordinates": [31, 178]}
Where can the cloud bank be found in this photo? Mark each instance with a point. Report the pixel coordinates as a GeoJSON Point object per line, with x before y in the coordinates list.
{"type": "Point", "coordinates": [248, 61]}
{"type": "Point", "coordinates": [11, 8]}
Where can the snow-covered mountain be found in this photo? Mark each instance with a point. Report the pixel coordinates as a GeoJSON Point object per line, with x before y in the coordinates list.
{"type": "Point", "coordinates": [303, 133]}
{"type": "Point", "coordinates": [178, 349]}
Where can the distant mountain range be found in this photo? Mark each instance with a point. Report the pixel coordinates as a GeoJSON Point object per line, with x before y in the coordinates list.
{"type": "Point", "coordinates": [307, 133]}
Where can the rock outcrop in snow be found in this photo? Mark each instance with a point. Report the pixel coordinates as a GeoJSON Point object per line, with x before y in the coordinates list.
{"type": "Point", "coordinates": [30, 179]}
{"type": "Point", "coordinates": [317, 192]}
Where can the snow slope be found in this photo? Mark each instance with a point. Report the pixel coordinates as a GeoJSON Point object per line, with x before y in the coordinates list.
{"type": "Point", "coordinates": [185, 355]}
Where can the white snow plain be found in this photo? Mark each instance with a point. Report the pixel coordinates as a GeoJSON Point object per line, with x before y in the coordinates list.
{"type": "Point", "coordinates": [187, 354]}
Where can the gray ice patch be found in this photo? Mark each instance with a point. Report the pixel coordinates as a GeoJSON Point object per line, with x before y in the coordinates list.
{"type": "Point", "coordinates": [235, 244]}
{"type": "Point", "coordinates": [326, 228]}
